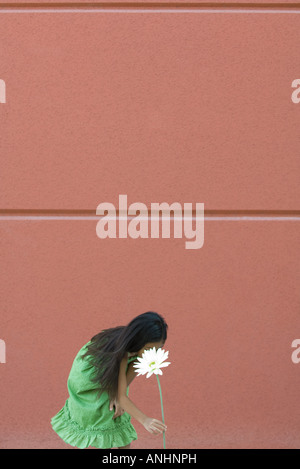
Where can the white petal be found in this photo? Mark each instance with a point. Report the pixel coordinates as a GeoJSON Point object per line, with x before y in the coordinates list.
{"type": "Point", "coordinates": [165, 364]}
{"type": "Point", "coordinates": [151, 354]}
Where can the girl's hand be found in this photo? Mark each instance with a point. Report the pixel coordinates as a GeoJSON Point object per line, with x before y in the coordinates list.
{"type": "Point", "coordinates": [118, 409]}
{"type": "Point", "coordinates": [154, 426]}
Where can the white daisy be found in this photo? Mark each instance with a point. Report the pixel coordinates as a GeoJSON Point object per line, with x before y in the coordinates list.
{"type": "Point", "coordinates": [151, 362]}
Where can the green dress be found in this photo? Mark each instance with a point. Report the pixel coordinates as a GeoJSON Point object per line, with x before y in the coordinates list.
{"type": "Point", "coordinates": [85, 420]}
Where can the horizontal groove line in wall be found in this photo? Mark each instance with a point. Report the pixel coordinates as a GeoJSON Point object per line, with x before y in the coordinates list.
{"type": "Point", "coordinates": [212, 7]}
{"type": "Point", "coordinates": [89, 212]}
{"type": "Point", "coordinates": [81, 10]}
{"type": "Point", "coordinates": [163, 5]}
{"type": "Point", "coordinates": [146, 11]}
{"type": "Point", "coordinates": [208, 215]}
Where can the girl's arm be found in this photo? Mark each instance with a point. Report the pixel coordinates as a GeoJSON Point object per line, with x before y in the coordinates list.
{"type": "Point", "coordinates": [123, 400]}
{"type": "Point", "coordinates": [131, 374]}
{"type": "Point", "coordinates": [152, 425]}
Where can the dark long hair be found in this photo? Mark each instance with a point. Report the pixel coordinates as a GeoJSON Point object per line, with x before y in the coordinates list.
{"type": "Point", "coordinates": [107, 349]}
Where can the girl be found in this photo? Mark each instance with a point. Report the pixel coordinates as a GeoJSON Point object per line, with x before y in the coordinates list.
{"type": "Point", "coordinates": [98, 411]}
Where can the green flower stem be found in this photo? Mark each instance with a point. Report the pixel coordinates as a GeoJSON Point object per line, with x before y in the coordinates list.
{"type": "Point", "coordinates": [162, 410]}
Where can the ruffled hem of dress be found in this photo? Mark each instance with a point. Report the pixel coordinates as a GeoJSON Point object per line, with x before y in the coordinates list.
{"type": "Point", "coordinates": [70, 432]}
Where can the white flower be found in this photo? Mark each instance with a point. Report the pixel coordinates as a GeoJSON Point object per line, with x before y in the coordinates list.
{"type": "Point", "coordinates": [151, 362]}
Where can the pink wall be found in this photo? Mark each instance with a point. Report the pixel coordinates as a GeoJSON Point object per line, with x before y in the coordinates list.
{"type": "Point", "coordinates": [163, 107]}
